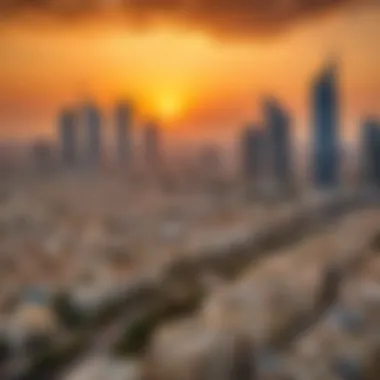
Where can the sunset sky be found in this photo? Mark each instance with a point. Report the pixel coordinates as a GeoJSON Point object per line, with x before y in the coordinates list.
{"type": "Point", "coordinates": [198, 66]}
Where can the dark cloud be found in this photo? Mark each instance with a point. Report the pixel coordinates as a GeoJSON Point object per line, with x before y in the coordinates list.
{"type": "Point", "coordinates": [221, 16]}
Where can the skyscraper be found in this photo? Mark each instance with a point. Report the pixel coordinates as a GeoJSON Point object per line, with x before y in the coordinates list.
{"type": "Point", "coordinates": [371, 152]}
{"type": "Point", "coordinates": [123, 116]}
{"type": "Point", "coordinates": [277, 123]}
{"type": "Point", "coordinates": [152, 147]}
{"type": "Point", "coordinates": [68, 138]}
{"type": "Point", "coordinates": [325, 109]}
{"type": "Point", "coordinates": [253, 148]}
{"type": "Point", "coordinates": [92, 136]}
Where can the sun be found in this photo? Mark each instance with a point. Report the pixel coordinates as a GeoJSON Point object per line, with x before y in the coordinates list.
{"type": "Point", "coordinates": [169, 106]}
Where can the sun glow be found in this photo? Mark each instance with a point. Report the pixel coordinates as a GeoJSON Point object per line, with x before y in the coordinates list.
{"type": "Point", "coordinates": [169, 106]}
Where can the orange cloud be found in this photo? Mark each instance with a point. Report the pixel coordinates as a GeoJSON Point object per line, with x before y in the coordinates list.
{"type": "Point", "coordinates": [222, 17]}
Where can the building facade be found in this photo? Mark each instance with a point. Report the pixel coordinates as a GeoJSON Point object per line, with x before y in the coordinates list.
{"type": "Point", "coordinates": [92, 138]}
{"type": "Point", "coordinates": [325, 121]}
{"type": "Point", "coordinates": [123, 119]}
{"type": "Point", "coordinates": [277, 122]}
{"type": "Point", "coordinates": [68, 139]}
{"type": "Point", "coordinates": [371, 153]}
{"type": "Point", "coordinates": [43, 157]}
{"type": "Point", "coordinates": [253, 150]}
{"type": "Point", "coordinates": [152, 148]}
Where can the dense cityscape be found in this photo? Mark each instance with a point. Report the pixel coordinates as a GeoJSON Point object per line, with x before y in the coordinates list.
{"type": "Point", "coordinates": [149, 267]}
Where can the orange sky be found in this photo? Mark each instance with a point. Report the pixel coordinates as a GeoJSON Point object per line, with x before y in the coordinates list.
{"type": "Point", "coordinates": [195, 83]}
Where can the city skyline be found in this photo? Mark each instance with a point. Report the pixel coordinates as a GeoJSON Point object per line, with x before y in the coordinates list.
{"type": "Point", "coordinates": [118, 123]}
{"type": "Point", "coordinates": [266, 151]}
{"type": "Point", "coordinates": [189, 189]}
{"type": "Point", "coordinates": [196, 81]}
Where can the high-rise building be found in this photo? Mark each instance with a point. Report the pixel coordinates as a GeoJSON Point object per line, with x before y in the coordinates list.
{"type": "Point", "coordinates": [325, 116]}
{"type": "Point", "coordinates": [92, 136]}
{"type": "Point", "coordinates": [277, 123]}
{"type": "Point", "coordinates": [123, 116]}
{"type": "Point", "coordinates": [253, 148]}
{"type": "Point", "coordinates": [371, 152]}
{"type": "Point", "coordinates": [68, 138]}
{"type": "Point", "coordinates": [152, 147]}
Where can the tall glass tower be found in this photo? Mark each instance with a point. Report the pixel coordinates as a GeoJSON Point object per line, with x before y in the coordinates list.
{"type": "Point", "coordinates": [325, 120]}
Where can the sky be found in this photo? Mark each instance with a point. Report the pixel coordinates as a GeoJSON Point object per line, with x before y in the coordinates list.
{"type": "Point", "coordinates": [198, 67]}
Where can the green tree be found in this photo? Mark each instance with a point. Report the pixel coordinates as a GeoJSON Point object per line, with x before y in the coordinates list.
{"type": "Point", "coordinates": [68, 315]}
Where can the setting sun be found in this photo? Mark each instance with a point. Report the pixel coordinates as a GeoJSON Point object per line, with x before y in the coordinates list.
{"type": "Point", "coordinates": [168, 106]}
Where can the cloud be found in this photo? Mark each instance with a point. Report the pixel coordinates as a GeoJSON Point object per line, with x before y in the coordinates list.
{"type": "Point", "coordinates": [219, 16]}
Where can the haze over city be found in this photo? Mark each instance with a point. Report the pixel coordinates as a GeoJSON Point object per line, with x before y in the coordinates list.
{"type": "Point", "coordinates": [189, 190]}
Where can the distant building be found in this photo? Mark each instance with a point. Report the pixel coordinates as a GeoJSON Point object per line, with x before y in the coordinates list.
{"type": "Point", "coordinates": [92, 136]}
{"type": "Point", "coordinates": [252, 149]}
{"type": "Point", "coordinates": [43, 157]}
{"type": "Point", "coordinates": [10, 164]}
{"type": "Point", "coordinates": [68, 138]}
{"type": "Point", "coordinates": [325, 116]}
{"type": "Point", "coordinates": [371, 153]}
{"type": "Point", "coordinates": [123, 116]}
{"type": "Point", "coordinates": [152, 147]}
{"type": "Point", "coordinates": [277, 122]}
{"type": "Point", "coordinates": [210, 164]}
